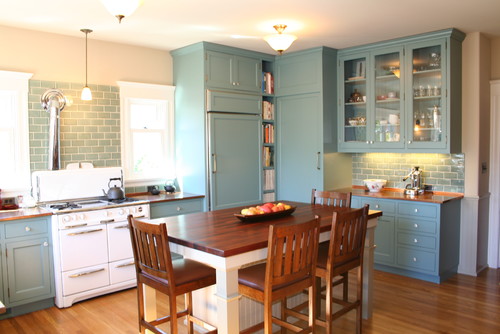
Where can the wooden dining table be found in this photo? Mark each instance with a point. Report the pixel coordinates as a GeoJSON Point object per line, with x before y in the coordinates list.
{"type": "Point", "coordinates": [220, 240]}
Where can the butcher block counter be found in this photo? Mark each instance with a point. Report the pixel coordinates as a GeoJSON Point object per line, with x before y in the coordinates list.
{"type": "Point", "coordinates": [437, 197]}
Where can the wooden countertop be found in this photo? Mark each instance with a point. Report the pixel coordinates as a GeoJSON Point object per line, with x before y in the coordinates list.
{"type": "Point", "coordinates": [164, 197]}
{"type": "Point", "coordinates": [23, 213]}
{"type": "Point", "coordinates": [437, 197]}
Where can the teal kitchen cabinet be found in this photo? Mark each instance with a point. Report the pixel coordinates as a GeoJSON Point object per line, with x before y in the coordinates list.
{"type": "Point", "coordinates": [27, 265]}
{"type": "Point", "coordinates": [306, 123]}
{"type": "Point", "coordinates": [233, 72]}
{"type": "Point", "coordinates": [210, 163]}
{"type": "Point", "coordinates": [175, 208]}
{"type": "Point", "coordinates": [401, 95]}
{"type": "Point", "coordinates": [416, 239]}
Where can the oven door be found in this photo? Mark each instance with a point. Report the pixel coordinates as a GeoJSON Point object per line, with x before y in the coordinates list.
{"type": "Point", "coordinates": [83, 247]}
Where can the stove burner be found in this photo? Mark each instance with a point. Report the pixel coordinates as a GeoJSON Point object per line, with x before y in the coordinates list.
{"type": "Point", "coordinates": [123, 200]}
{"type": "Point", "coordinates": [67, 205]}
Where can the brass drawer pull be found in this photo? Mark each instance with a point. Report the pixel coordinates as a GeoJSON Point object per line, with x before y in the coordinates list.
{"type": "Point", "coordinates": [125, 264]}
{"type": "Point", "coordinates": [84, 232]}
{"type": "Point", "coordinates": [86, 273]}
{"type": "Point", "coordinates": [121, 226]}
{"type": "Point", "coordinates": [107, 221]}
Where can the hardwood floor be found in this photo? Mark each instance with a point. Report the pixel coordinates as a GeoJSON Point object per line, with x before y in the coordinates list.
{"type": "Point", "coordinates": [463, 304]}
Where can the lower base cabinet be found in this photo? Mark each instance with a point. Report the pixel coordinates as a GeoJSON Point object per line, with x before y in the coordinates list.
{"type": "Point", "coordinates": [416, 239]}
{"type": "Point", "coordinates": [26, 266]}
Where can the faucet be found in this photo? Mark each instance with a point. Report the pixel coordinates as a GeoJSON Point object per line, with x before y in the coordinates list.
{"type": "Point", "coordinates": [416, 178]}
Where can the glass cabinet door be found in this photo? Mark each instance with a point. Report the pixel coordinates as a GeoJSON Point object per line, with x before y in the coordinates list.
{"type": "Point", "coordinates": [354, 100]}
{"type": "Point", "coordinates": [428, 107]}
{"type": "Point", "coordinates": [388, 98]}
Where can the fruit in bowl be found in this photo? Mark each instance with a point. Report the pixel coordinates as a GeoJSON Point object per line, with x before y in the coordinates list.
{"type": "Point", "coordinates": [265, 208]}
{"type": "Point", "coordinates": [375, 185]}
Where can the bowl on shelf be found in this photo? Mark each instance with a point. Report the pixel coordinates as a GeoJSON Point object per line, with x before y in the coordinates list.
{"type": "Point", "coordinates": [375, 185]}
{"type": "Point", "coordinates": [353, 122]}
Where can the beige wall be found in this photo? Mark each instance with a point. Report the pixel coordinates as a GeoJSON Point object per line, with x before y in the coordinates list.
{"type": "Point", "coordinates": [61, 58]}
{"type": "Point", "coordinates": [495, 58]}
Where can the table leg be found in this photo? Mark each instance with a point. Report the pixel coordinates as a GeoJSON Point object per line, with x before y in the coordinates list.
{"type": "Point", "coordinates": [368, 272]}
{"type": "Point", "coordinates": [228, 319]}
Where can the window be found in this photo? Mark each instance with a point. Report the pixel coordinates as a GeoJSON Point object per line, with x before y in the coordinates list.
{"type": "Point", "coordinates": [147, 132]}
{"type": "Point", "coordinates": [14, 133]}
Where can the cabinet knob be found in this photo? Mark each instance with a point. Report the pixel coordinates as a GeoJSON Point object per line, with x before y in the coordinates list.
{"type": "Point", "coordinates": [368, 142]}
{"type": "Point", "coordinates": [415, 225]}
{"type": "Point", "coordinates": [179, 208]}
{"type": "Point", "coordinates": [377, 206]}
{"type": "Point", "coordinates": [27, 228]}
{"type": "Point", "coordinates": [233, 83]}
{"type": "Point", "coordinates": [409, 141]}
{"type": "Point", "coordinates": [414, 259]}
{"type": "Point", "coordinates": [45, 244]}
{"type": "Point", "coordinates": [415, 240]}
{"type": "Point", "coordinates": [416, 210]}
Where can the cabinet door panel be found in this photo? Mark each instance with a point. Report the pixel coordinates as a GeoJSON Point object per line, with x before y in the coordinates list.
{"type": "Point", "coordinates": [28, 269]}
{"type": "Point", "coordinates": [235, 160]}
{"type": "Point", "coordinates": [234, 102]}
{"type": "Point", "coordinates": [248, 74]}
{"type": "Point", "coordinates": [218, 70]}
{"type": "Point", "coordinates": [300, 149]}
{"type": "Point", "coordinates": [384, 240]}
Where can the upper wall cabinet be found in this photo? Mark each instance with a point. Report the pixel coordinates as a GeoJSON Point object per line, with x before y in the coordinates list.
{"type": "Point", "coordinates": [402, 95]}
{"type": "Point", "coordinates": [233, 72]}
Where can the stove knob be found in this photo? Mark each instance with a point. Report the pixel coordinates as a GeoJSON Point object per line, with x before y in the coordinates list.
{"type": "Point", "coordinates": [121, 212]}
{"type": "Point", "coordinates": [81, 216]}
{"type": "Point", "coordinates": [67, 218]}
{"type": "Point", "coordinates": [109, 213]}
{"type": "Point", "coordinates": [127, 211]}
{"type": "Point", "coordinates": [139, 209]}
{"type": "Point", "coordinates": [132, 210]}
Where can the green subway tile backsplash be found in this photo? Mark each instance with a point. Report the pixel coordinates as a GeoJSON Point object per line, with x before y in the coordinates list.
{"type": "Point", "coordinates": [445, 172]}
{"type": "Point", "coordinates": [90, 130]}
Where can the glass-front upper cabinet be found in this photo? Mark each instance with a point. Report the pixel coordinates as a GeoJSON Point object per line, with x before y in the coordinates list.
{"type": "Point", "coordinates": [388, 99]}
{"type": "Point", "coordinates": [427, 105]}
{"type": "Point", "coordinates": [353, 100]}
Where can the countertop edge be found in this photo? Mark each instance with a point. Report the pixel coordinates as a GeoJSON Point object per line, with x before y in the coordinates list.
{"type": "Point", "coordinates": [398, 194]}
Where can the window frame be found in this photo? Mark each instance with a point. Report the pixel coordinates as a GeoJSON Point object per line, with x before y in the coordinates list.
{"type": "Point", "coordinates": [133, 92]}
{"type": "Point", "coordinates": [18, 82]}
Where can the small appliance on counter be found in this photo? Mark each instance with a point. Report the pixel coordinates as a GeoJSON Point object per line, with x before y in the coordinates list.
{"type": "Point", "coordinates": [415, 186]}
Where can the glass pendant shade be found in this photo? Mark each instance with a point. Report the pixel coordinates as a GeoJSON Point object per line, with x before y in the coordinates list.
{"type": "Point", "coordinates": [280, 41]}
{"type": "Point", "coordinates": [121, 8]}
{"type": "Point", "coordinates": [86, 94]}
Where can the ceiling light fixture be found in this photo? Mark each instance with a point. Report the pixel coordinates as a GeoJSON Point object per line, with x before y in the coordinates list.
{"type": "Point", "coordinates": [280, 41]}
{"type": "Point", "coordinates": [86, 93]}
{"type": "Point", "coordinates": [121, 8]}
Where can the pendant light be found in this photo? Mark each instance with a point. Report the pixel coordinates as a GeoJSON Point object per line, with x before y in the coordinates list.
{"type": "Point", "coordinates": [121, 8]}
{"type": "Point", "coordinates": [280, 41]}
{"type": "Point", "coordinates": [86, 93]}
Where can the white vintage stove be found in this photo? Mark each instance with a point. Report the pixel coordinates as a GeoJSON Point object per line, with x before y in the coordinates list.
{"type": "Point", "coordinates": [92, 248]}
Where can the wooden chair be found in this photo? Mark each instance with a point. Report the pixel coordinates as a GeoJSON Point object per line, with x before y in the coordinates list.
{"type": "Point", "coordinates": [339, 200]}
{"type": "Point", "coordinates": [154, 268]}
{"type": "Point", "coordinates": [331, 198]}
{"type": "Point", "coordinates": [290, 268]}
{"type": "Point", "coordinates": [344, 252]}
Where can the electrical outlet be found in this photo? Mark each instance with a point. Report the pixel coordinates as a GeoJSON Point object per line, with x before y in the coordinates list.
{"type": "Point", "coordinates": [427, 187]}
{"type": "Point", "coordinates": [8, 200]}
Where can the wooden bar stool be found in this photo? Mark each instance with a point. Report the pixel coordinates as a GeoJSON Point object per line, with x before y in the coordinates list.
{"type": "Point", "coordinates": [331, 198]}
{"type": "Point", "coordinates": [154, 268]}
{"type": "Point", "coordinates": [290, 268]}
{"type": "Point", "coordinates": [344, 252]}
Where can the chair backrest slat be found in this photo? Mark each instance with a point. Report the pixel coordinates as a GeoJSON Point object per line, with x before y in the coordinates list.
{"type": "Point", "coordinates": [331, 198]}
{"type": "Point", "coordinates": [347, 237]}
{"type": "Point", "coordinates": [151, 249]}
{"type": "Point", "coordinates": [292, 252]}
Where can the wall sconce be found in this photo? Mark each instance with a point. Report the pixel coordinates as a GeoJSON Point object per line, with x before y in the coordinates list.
{"type": "Point", "coordinates": [121, 8]}
{"type": "Point", "coordinates": [86, 93]}
{"type": "Point", "coordinates": [280, 41]}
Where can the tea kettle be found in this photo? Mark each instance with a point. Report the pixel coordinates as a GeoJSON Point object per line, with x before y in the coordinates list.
{"type": "Point", "coordinates": [115, 193]}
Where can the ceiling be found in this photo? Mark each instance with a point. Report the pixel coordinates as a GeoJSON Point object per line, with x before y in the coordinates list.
{"type": "Point", "coordinates": [170, 24]}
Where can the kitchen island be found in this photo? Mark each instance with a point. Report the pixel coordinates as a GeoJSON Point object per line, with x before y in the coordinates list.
{"type": "Point", "coordinates": [219, 239]}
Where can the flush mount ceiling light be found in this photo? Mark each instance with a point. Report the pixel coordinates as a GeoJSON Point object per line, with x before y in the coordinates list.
{"type": "Point", "coordinates": [86, 93]}
{"type": "Point", "coordinates": [121, 8]}
{"type": "Point", "coordinates": [280, 41]}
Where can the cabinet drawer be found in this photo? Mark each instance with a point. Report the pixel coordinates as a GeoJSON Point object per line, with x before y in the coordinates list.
{"type": "Point", "coordinates": [417, 259]}
{"type": "Point", "coordinates": [414, 209]}
{"type": "Point", "coordinates": [175, 208]}
{"type": "Point", "coordinates": [424, 226]}
{"type": "Point", "coordinates": [26, 227]}
{"type": "Point", "coordinates": [418, 240]}
{"type": "Point", "coordinates": [384, 206]}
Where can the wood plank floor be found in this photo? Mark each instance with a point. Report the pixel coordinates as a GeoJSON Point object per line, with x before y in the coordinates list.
{"type": "Point", "coordinates": [463, 304]}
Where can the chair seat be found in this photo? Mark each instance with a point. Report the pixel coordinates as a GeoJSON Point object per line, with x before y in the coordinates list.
{"type": "Point", "coordinates": [185, 271]}
{"type": "Point", "coordinates": [255, 277]}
